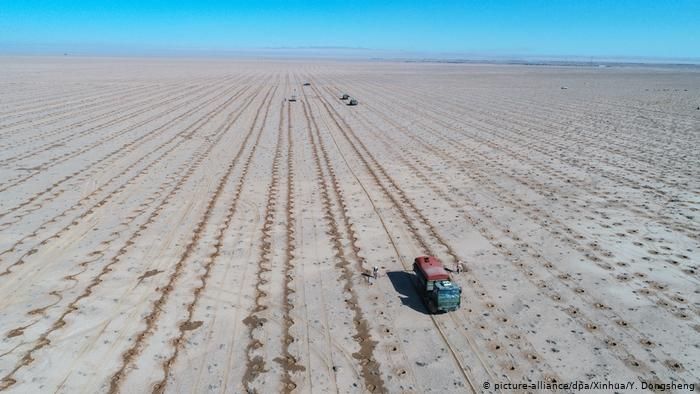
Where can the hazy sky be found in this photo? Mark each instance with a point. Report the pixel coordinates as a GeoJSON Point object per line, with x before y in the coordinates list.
{"type": "Point", "coordinates": [644, 28]}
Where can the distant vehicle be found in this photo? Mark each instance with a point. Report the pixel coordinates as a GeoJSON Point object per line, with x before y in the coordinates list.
{"type": "Point", "coordinates": [293, 97]}
{"type": "Point", "coordinates": [352, 102]}
{"type": "Point", "coordinates": [345, 96]}
{"type": "Point", "coordinates": [564, 87]}
{"type": "Point", "coordinates": [433, 282]}
{"type": "Point", "coordinates": [307, 83]}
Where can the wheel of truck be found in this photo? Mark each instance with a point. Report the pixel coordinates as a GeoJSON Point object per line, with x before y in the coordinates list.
{"type": "Point", "coordinates": [431, 307]}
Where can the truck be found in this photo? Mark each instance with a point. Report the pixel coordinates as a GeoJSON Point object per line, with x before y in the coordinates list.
{"type": "Point", "coordinates": [436, 289]}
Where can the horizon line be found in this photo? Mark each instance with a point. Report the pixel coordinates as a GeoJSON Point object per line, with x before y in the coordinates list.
{"type": "Point", "coordinates": [329, 51]}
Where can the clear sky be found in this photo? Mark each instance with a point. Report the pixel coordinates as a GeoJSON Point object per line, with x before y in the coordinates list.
{"type": "Point", "coordinates": [611, 28]}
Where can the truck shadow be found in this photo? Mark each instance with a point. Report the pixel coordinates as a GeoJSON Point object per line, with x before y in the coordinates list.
{"type": "Point", "coordinates": [403, 284]}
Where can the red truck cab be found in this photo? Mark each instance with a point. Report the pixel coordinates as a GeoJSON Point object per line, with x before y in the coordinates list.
{"type": "Point", "coordinates": [439, 293]}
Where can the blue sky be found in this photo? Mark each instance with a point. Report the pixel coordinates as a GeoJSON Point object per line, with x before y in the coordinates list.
{"type": "Point", "coordinates": [613, 28]}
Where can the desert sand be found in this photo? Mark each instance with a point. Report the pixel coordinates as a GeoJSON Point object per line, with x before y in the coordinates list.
{"type": "Point", "coordinates": [178, 225]}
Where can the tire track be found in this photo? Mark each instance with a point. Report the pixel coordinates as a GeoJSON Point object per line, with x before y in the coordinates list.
{"type": "Point", "coordinates": [365, 356]}
{"type": "Point", "coordinates": [183, 136]}
{"type": "Point", "coordinates": [399, 205]}
{"type": "Point", "coordinates": [324, 350]}
{"type": "Point", "coordinates": [133, 215]}
{"type": "Point", "coordinates": [8, 380]}
{"type": "Point", "coordinates": [86, 148]}
{"type": "Point", "coordinates": [62, 100]}
{"type": "Point", "coordinates": [571, 114]}
{"type": "Point", "coordinates": [596, 254]}
{"type": "Point", "coordinates": [498, 123]}
{"type": "Point", "coordinates": [51, 118]}
{"type": "Point", "coordinates": [530, 274]}
{"type": "Point", "coordinates": [289, 363]}
{"type": "Point", "coordinates": [413, 231]}
{"type": "Point", "coordinates": [114, 116]}
{"type": "Point", "coordinates": [383, 319]}
{"type": "Point", "coordinates": [97, 255]}
{"type": "Point", "coordinates": [495, 124]}
{"type": "Point", "coordinates": [636, 209]}
{"type": "Point", "coordinates": [90, 100]}
{"type": "Point", "coordinates": [16, 104]}
{"type": "Point", "coordinates": [34, 133]}
{"type": "Point", "coordinates": [152, 318]}
{"type": "Point", "coordinates": [640, 210]}
{"type": "Point", "coordinates": [255, 364]}
{"type": "Point", "coordinates": [114, 156]}
{"type": "Point", "coordinates": [326, 356]}
{"type": "Point", "coordinates": [188, 324]}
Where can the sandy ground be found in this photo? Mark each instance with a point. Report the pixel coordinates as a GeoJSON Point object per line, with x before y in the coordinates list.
{"type": "Point", "coordinates": [178, 226]}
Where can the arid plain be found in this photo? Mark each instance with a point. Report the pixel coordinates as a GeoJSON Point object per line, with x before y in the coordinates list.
{"type": "Point", "coordinates": [180, 226]}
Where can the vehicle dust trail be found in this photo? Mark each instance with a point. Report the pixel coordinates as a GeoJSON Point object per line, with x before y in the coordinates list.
{"type": "Point", "coordinates": [331, 198]}
{"type": "Point", "coordinates": [43, 341]}
{"type": "Point", "coordinates": [188, 324]}
{"type": "Point", "coordinates": [152, 318]}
